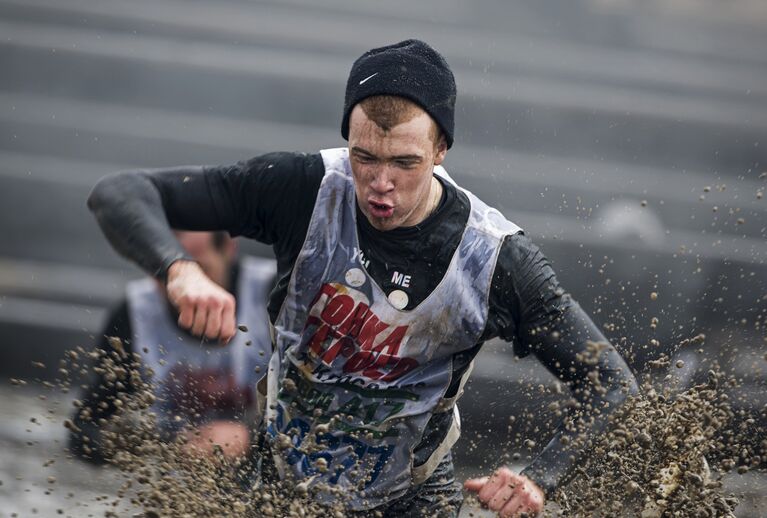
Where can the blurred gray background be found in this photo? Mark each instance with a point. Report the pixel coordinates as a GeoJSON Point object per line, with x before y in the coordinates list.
{"type": "Point", "coordinates": [627, 137]}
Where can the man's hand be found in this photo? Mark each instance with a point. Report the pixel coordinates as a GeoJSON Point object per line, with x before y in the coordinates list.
{"type": "Point", "coordinates": [204, 307]}
{"type": "Point", "coordinates": [511, 495]}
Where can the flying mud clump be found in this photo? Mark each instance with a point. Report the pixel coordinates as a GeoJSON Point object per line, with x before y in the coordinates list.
{"type": "Point", "coordinates": [656, 459]}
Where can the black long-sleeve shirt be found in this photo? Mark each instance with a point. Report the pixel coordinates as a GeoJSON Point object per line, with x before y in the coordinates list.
{"type": "Point", "coordinates": [270, 198]}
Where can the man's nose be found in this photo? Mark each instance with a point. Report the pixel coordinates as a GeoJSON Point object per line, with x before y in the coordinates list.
{"type": "Point", "coordinates": [381, 181]}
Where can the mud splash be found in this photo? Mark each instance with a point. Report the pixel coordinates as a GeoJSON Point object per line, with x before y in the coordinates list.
{"type": "Point", "coordinates": [171, 477]}
{"type": "Point", "coordinates": [663, 454]}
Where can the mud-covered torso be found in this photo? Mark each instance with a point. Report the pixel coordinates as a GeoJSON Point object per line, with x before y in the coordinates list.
{"type": "Point", "coordinates": [355, 378]}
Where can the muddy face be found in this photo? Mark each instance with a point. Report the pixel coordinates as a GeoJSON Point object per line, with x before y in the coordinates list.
{"type": "Point", "coordinates": [393, 169]}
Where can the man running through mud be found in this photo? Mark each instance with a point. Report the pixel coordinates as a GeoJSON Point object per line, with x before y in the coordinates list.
{"type": "Point", "coordinates": [390, 278]}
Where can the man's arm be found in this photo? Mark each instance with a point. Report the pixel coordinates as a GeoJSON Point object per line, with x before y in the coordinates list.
{"type": "Point", "coordinates": [573, 349]}
{"type": "Point", "coordinates": [137, 211]}
{"type": "Point", "coordinates": [134, 210]}
{"type": "Point", "coordinates": [531, 308]}
{"type": "Point", "coordinates": [566, 341]}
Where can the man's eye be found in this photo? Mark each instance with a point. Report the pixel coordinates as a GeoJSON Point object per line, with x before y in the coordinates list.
{"type": "Point", "coordinates": [405, 164]}
{"type": "Point", "coordinates": [365, 159]}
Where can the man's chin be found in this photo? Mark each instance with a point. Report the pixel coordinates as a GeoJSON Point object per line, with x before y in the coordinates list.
{"type": "Point", "coordinates": [382, 224]}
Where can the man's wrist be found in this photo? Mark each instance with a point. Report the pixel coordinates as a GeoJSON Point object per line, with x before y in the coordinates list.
{"type": "Point", "coordinates": [541, 480]}
{"type": "Point", "coordinates": [172, 263]}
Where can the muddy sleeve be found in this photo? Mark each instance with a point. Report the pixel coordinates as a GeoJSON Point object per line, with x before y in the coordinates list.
{"type": "Point", "coordinates": [97, 401]}
{"type": "Point", "coordinates": [546, 321]}
{"type": "Point", "coordinates": [266, 198]}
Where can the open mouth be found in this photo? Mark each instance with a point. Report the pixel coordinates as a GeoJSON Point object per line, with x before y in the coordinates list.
{"type": "Point", "coordinates": [380, 210]}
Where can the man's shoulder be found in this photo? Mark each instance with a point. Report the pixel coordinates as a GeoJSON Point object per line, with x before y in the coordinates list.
{"type": "Point", "coordinates": [265, 182]}
{"type": "Point", "coordinates": [482, 215]}
{"type": "Point", "coordinates": [280, 162]}
{"type": "Point", "coordinates": [519, 241]}
{"type": "Point", "coordinates": [491, 220]}
{"type": "Point", "coordinates": [269, 197]}
{"type": "Point", "coordinates": [518, 245]}
{"type": "Point", "coordinates": [519, 254]}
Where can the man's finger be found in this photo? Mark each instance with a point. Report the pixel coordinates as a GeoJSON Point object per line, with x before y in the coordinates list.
{"type": "Point", "coordinates": [213, 325]}
{"type": "Point", "coordinates": [501, 497]}
{"type": "Point", "coordinates": [475, 484]}
{"type": "Point", "coordinates": [200, 320]}
{"type": "Point", "coordinates": [497, 480]}
{"type": "Point", "coordinates": [227, 322]}
{"type": "Point", "coordinates": [186, 316]}
{"type": "Point", "coordinates": [513, 507]}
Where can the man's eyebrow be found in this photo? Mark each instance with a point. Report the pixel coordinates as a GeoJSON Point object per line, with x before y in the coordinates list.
{"type": "Point", "coordinates": [356, 149]}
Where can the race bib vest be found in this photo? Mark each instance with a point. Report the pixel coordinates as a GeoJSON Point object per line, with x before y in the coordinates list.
{"type": "Point", "coordinates": [196, 382]}
{"type": "Point", "coordinates": [353, 380]}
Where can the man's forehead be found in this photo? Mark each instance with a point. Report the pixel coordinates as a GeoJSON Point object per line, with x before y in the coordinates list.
{"type": "Point", "coordinates": [417, 126]}
{"type": "Point", "coordinates": [393, 108]}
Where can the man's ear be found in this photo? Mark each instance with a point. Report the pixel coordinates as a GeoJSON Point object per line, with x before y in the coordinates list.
{"type": "Point", "coordinates": [441, 150]}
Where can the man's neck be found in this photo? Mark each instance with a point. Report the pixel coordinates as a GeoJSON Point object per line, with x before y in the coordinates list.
{"type": "Point", "coordinates": [431, 203]}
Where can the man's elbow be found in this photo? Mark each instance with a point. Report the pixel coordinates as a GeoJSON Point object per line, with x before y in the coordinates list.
{"type": "Point", "coordinates": [107, 190]}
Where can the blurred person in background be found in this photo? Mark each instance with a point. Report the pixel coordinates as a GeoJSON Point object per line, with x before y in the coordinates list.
{"type": "Point", "coordinates": [201, 389]}
{"type": "Point", "coordinates": [390, 278]}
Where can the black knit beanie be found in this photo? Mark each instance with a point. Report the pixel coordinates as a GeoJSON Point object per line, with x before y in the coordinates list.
{"type": "Point", "coordinates": [410, 69]}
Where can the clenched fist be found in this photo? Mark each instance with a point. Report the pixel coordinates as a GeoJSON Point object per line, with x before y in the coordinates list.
{"type": "Point", "coordinates": [204, 307]}
{"type": "Point", "coordinates": [509, 494]}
